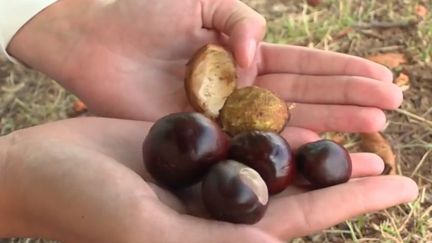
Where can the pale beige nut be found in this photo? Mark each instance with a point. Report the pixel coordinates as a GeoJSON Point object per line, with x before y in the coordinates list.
{"type": "Point", "coordinates": [253, 109]}
{"type": "Point", "coordinates": [210, 78]}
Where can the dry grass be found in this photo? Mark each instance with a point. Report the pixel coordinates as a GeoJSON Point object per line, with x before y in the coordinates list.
{"type": "Point", "coordinates": [330, 26]}
{"type": "Point", "coordinates": [28, 98]}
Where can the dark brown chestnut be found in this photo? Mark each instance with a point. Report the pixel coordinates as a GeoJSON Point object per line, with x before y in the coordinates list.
{"type": "Point", "coordinates": [235, 193]}
{"type": "Point", "coordinates": [269, 154]}
{"type": "Point", "coordinates": [181, 147]}
{"type": "Point", "coordinates": [324, 163]}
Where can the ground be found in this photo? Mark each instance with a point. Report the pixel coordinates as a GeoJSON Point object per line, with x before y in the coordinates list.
{"type": "Point", "coordinates": [356, 27]}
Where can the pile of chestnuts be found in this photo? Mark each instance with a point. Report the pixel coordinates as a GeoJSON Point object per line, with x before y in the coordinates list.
{"type": "Point", "coordinates": [231, 144]}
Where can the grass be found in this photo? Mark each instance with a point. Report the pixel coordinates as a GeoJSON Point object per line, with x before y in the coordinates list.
{"type": "Point", "coordinates": [28, 98]}
{"type": "Point", "coordinates": [332, 26]}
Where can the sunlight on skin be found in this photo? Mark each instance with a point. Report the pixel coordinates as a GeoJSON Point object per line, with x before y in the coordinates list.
{"type": "Point", "coordinates": [85, 155]}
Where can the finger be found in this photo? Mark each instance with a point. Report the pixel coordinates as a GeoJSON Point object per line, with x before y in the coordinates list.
{"type": "Point", "coordinates": [297, 136]}
{"type": "Point", "coordinates": [243, 25]}
{"type": "Point", "coordinates": [333, 90]}
{"type": "Point", "coordinates": [202, 230]}
{"type": "Point", "coordinates": [337, 118]}
{"type": "Point", "coordinates": [307, 213]}
{"type": "Point", "coordinates": [366, 164]}
{"type": "Point", "coordinates": [301, 60]}
{"type": "Point", "coordinates": [363, 164]}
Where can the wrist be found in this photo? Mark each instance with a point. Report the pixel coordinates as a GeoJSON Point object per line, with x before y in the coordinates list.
{"type": "Point", "coordinates": [45, 42]}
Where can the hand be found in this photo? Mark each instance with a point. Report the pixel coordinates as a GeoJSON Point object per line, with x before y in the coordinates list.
{"type": "Point", "coordinates": [83, 180]}
{"type": "Point", "coordinates": [126, 59]}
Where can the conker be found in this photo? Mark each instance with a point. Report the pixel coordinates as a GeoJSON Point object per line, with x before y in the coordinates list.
{"type": "Point", "coordinates": [181, 147]}
{"type": "Point", "coordinates": [269, 154]}
{"type": "Point", "coordinates": [253, 109]}
{"type": "Point", "coordinates": [324, 163]}
{"type": "Point", "coordinates": [235, 193]}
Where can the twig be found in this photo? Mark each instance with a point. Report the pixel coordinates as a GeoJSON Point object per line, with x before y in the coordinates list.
{"type": "Point", "coordinates": [427, 112]}
{"type": "Point", "coordinates": [352, 45]}
{"type": "Point", "coordinates": [423, 159]}
{"type": "Point", "coordinates": [370, 34]}
{"type": "Point", "coordinates": [351, 229]}
{"type": "Point", "coordinates": [408, 217]}
{"type": "Point", "coordinates": [427, 146]}
{"type": "Point", "coordinates": [393, 223]}
{"type": "Point", "coordinates": [386, 25]}
{"type": "Point", "coordinates": [426, 213]}
{"type": "Point", "coordinates": [414, 116]}
{"type": "Point", "coordinates": [387, 48]}
{"type": "Point", "coordinates": [426, 179]}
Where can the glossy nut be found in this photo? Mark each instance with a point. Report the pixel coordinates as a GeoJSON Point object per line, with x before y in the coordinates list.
{"type": "Point", "coordinates": [180, 148]}
{"type": "Point", "coordinates": [324, 163]}
{"type": "Point", "coordinates": [269, 154]}
{"type": "Point", "coordinates": [235, 193]}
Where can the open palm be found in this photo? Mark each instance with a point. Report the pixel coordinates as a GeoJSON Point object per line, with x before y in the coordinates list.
{"type": "Point", "coordinates": [128, 61]}
{"type": "Point", "coordinates": [86, 182]}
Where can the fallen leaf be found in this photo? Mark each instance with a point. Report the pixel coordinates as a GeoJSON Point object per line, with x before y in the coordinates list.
{"type": "Point", "coordinates": [79, 106]}
{"type": "Point", "coordinates": [378, 144]}
{"type": "Point", "coordinates": [313, 3]}
{"type": "Point", "coordinates": [403, 81]}
{"type": "Point", "coordinates": [421, 10]}
{"type": "Point", "coordinates": [391, 60]}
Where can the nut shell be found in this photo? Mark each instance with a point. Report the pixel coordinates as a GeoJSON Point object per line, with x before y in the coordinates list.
{"type": "Point", "coordinates": [181, 147]}
{"type": "Point", "coordinates": [269, 154]}
{"type": "Point", "coordinates": [235, 193]}
{"type": "Point", "coordinates": [253, 109]}
{"type": "Point", "coordinates": [210, 78]}
{"type": "Point", "coordinates": [324, 163]}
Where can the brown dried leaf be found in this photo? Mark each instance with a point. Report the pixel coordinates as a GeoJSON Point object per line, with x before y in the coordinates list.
{"type": "Point", "coordinates": [79, 106]}
{"type": "Point", "coordinates": [313, 3]}
{"type": "Point", "coordinates": [391, 60]}
{"type": "Point", "coordinates": [403, 81]}
{"type": "Point", "coordinates": [377, 143]}
{"type": "Point", "coordinates": [421, 10]}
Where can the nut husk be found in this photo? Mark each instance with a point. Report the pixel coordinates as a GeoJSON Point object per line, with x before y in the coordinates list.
{"type": "Point", "coordinates": [210, 78]}
{"type": "Point", "coordinates": [253, 109]}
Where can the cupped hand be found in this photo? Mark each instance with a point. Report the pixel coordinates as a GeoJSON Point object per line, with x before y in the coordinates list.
{"type": "Point", "coordinates": [83, 180]}
{"type": "Point", "coordinates": [126, 59]}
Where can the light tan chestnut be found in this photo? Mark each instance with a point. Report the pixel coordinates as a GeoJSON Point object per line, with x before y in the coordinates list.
{"type": "Point", "coordinates": [254, 109]}
{"type": "Point", "coordinates": [210, 79]}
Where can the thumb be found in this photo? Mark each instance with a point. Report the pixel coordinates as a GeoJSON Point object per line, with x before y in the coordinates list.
{"type": "Point", "coordinates": [244, 27]}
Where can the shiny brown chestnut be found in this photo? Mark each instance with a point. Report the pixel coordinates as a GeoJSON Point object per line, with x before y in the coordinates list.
{"type": "Point", "coordinates": [324, 163]}
{"type": "Point", "coordinates": [181, 147]}
{"type": "Point", "coordinates": [235, 193]}
{"type": "Point", "coordinates": [269, 154]}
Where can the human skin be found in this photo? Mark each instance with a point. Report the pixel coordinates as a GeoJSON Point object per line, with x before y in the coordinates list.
{"type": "Point", "coordinates": [83, 180]}
{"type": "Point", "coordinates": [117, 55]}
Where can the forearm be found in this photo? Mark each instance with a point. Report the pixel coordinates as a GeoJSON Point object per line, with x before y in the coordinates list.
{"type": "Point", "coordinates": [45, 42]}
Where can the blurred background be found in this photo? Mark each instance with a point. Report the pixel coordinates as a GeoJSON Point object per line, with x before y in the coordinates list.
{"type": "Point", "coordinates": [395, 33]}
